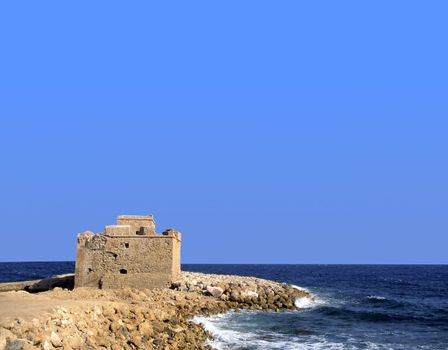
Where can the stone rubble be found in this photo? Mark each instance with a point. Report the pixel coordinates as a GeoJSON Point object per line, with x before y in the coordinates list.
{"type": "Point", "coordinates": [144, 318]}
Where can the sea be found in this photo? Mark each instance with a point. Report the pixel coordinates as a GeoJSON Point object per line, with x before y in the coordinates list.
{"type": "Point", "coordinates": [355, 306]}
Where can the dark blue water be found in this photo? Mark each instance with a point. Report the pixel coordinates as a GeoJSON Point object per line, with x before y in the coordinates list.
{"type": "Point", "coordinates": [357, 306]}
{"type": "Point", "coordinates": [25, 271]}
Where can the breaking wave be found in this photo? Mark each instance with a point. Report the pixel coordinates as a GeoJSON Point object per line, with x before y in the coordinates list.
{"type": "Point", "coordinates": [306, 302]}
{"type": "Point", "coordinates": [239, 338]}
{"type": "Point", "coordinates": [300, 288]}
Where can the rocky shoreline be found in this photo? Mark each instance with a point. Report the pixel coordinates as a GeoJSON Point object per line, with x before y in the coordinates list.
{"type": "Point", "coordinates": [139, 319]}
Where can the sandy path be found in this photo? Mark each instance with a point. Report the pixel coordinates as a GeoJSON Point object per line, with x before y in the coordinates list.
{"type": "Point", "coordinates": [29, 306]}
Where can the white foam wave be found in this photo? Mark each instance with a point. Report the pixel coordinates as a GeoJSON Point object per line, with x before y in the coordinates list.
{"type": "Point", "coordinates": [376, 297]}
{"type": "Point", "coordinates": [308, 302]}
{"type": "Point", "coordinates": [228, 335]}
{"type": "Point", "coordinates": [222, 336]}
{"type": "Point", "coordinates": [300, 288]}
{"type": "Point", "coordinates": [304, 303]}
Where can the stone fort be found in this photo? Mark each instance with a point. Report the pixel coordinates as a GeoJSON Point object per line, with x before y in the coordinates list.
{"type": "Point", "coordinates": [128, 254]}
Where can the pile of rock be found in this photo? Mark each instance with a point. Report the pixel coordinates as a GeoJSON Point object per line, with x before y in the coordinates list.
{"type": "Point", "coordinates": [122, 319]}
{"type": "Point", "coordinates": [240, 291]}
{"type": "Point", "coordinates": [142, 319]}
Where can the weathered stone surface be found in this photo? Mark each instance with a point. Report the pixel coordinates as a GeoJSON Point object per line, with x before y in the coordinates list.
{"type": "Point", "coordinates": [55, 340]}
{"type": "Point", "coordinates": [117, 230]}
{"type": "Point", "coordinates": [136, 223]}
{"type": "Point", "coordinates": [129, 254]}
{"type": "Point", "coordinates": [19, 344]}
{"type": "Point", "coordinates": [145, 329]}
{"type": "Point", "coordinates": [5, 335]}
{"type": "Point", "coordinates": [215, 291]}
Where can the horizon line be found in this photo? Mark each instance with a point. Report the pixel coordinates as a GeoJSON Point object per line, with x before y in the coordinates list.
{"type": "Point", "coordinates": [236, 263]}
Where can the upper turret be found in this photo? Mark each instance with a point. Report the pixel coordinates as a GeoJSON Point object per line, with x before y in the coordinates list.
{"type": "Point", "coordinates": [132, 225]}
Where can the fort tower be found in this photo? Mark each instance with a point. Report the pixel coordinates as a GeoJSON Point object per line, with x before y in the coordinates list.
{"type": "Point", "coordinates": [128, 254]}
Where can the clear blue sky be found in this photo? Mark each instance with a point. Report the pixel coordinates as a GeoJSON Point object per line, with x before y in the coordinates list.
{"type": "Point", "coordinates": [264, 131]}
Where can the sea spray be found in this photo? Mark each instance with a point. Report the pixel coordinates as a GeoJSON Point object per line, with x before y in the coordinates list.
{"type": "Point", "coordinates": [306, 301]}
{"type": "Point", "coordinates": [303, 303]}
{"type": "Point", "coordinates": [251, 330]}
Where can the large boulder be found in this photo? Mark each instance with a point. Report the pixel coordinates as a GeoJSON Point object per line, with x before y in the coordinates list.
{"type": "Point", "coordinates": [215, 291]}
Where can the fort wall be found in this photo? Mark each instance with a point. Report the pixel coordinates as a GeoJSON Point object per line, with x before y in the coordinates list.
{"type": "Point", "coordinates": [128, 255]}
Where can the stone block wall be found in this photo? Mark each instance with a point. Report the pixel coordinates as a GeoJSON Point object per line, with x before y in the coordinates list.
{"type": "Point", "coordinates": [138, 224]}
{"type": "Point", "coordinates": [128, 255]}
{"type": "Point", "coordinates": [117, 230]}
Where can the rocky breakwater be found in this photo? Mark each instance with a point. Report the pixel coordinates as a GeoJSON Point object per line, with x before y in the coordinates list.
{"type": "Point", "coordinates": [139, 319]}
{"type": "Point", "coordinates": [241, 292]}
